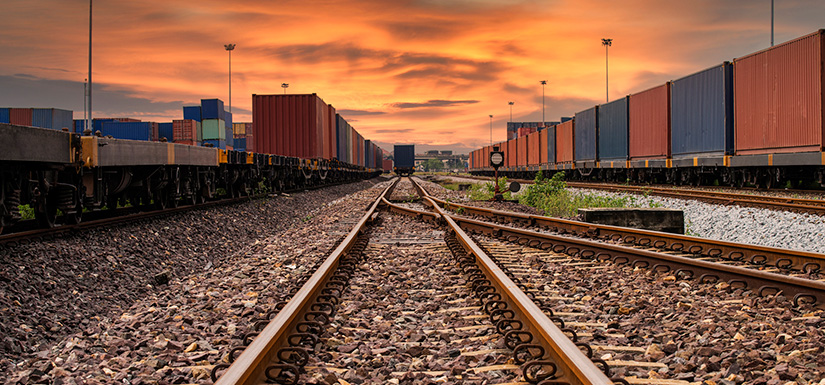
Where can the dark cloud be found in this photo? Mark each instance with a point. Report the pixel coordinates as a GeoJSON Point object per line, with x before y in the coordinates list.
{"type": "Point", "coordinates": [434, 104]}
{"type": "Point", "coordinates": [393, 131]}
{"type": "Point", "coordinates": [512, 88]}
{"type": "Point", "coordinates": [360, 112]}
{"type": "Point", "coordinates": [109, 100]}
{"type": "Point", "coordinates": [423, 29]}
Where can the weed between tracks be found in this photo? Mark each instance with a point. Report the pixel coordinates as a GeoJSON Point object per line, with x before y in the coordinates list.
{"type": "Point", "coordinates": [552, 196]}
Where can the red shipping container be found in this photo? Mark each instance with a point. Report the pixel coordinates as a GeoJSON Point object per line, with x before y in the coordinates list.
{"type": "Point", "coordinates": [387, 164]}
{"type": "Point", "coordinates": [186, 129]}
{"type": "Point", "coordinates": [542, 138]}
{"type": "Point", "coordinates": [521, 151]}
{"type": "Point", "coordinates": [533, 148]}
{"type": "Point", "coordinates": [564, 142]}
{"type": "Point", "coordinates": [329, 133]}
{"type": "Point", "coordinates": [778, 98]}
{"type": "Point", "coordinates": [250, 143]}
{"type": "Point", "coordinates": [290, 125]}
{"type": "Point", "coordinates": [20, 116]}
{"type": "Point", "coordinates": [649, 123]}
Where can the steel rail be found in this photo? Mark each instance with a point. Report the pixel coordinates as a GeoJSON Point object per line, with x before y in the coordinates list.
{"type": "Point", "coordinates": [250, 366]}
{"type": "Point", "coordinates": [761, 281]}
{"type": "Point", "coordinates": [575, 366]}
{"type": "Point", "coordinates": [760, 255]}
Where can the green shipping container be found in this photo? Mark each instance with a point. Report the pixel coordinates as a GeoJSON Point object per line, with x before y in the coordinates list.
{"type": "Point", "coordinates": [213, 129]}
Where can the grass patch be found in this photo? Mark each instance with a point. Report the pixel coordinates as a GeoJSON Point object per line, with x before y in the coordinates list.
{"type": "Point", "coordinates": [554, 198]}
{"type": "Point", "coordinates": [26, 212]}
{"type": "Point", "coordinates": [486, 191]}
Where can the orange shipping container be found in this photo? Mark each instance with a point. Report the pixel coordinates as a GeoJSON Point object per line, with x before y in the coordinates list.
{"type": "Point", "coordinates": [649, 123]}
{"type": "Point", "coordinates": [564, 142]}
{"type": "Point", "coordinates": [512, 153]}
{"type": "Point", "coordinates": [778, 98]}
{"type": "Point", "coordinates": [521, 148]}
{"type": "Point", "coordinates": [533, 149]}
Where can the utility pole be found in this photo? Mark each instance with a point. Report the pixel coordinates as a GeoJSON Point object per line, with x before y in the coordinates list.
{"type": "Point", "coordinates": [229, 48]}
{"type": "Point", "coordinates": [543, 83]}
{"type": "Point", "coordinates": [606, 43]}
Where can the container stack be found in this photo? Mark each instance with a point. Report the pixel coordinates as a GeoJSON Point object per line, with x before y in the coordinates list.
{"type": "Point", "coordinates": [242, 133]}
{"type": "Point", "coordinates": [213, 123]}
{"type": "Point", "coordinates": [294, 125]}
{"type": "Point", "coordinates": [53, 118]}
{"type": "Point", "coordinates": [186, 131]}
{"type": "Point", "coordinates": [166, 131]}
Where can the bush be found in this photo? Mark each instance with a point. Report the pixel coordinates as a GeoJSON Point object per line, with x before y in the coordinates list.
{"type": "Point", "coordinates": [486, 191]}
{"type": "Point", "coordinates": [554, 199]}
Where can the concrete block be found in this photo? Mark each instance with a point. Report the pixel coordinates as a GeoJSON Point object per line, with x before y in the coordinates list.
{"type": "Point", "coordinates": [657, 219]}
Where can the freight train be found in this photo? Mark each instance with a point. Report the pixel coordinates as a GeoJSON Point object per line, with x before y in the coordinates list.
{"type": "Point", "coordinates": [756, 120]}
{"type": "Point", "coordinates": [55, 170]}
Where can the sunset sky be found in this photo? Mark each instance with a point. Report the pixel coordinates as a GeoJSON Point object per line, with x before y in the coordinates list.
{"type": "Point", "coordinates": [428, 72]}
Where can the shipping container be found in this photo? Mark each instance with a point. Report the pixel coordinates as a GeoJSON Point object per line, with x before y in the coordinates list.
{"type": "Point", "coordinates": [533, 149]}
{"type": "Point", "coordinates": [511, 160]}
{"type": "Point", "coordinates": [79, 126]}
{"type": "Point", "coordinates": [53, 118]}
{"type": "Point", "coordinates": [330, 133]}
{"type": "Point", "coordinates": [239, 129]}
{"type": "Point", "coordinates": [212, 109]}
{"type": "Point", "coordinates": [587, 134]}
{"type": "Point", "coordinates": [239, 144]}
{"type": "Point", "coordinates": [20, 116]}
{"type": "Point", "coordinates": [701, 113]}
{"type": "Point", "coordinates": [166, 130]}
{"type": "Point", "coordinates": [341, 138]}
{"type": "Point", "coordinates": [521, 151]}
{"type": "Point", "coordinates": [192, 113]}
{"type": "Point", "coordinates": [613, 130]}
{"type": "Point", "coordinates": [291, 125]}
{"type": "Point", "coordinates": [387, 165]}
{"type": "Point", "coordinates": [214, 143]}
{"type": "Point", "coordinates": [649, 123]}
{"type": "Point", "coordinates": [185, 130]}
{"type": "Point", "coordinates": [778, 98]}
{"type": "Point", "coordinates": [565, 137]}
{"type": "Point", "coordinates": [4, 115]}
{"type": "Point", "coordinates": [230, 139]}
{"type": "Point", "coordinates": [155, 128]}
{"type": "Point", "coordinates": [404, 156]}
{"type": "Point", "coordinates": [368, 153]}
{"type": "Point", "coordinates": [212, 129]}
{"type": "Point", "coordinates": [228, 120]}
{"type": "Point", "coordinates": [128, 130]}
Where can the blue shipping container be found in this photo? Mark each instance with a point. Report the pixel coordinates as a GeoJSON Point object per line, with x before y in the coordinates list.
{"type": "Point", "coordinates": [341, 137]}
{"type": "Point", "coordinates": [551, 145]}
{"type": "Point", "coordinates": [404, 156]}
{"type": "Point", "coordinates": [701, 113]}
{"type": "Point", "coordinates": [166, 130]}
{"type": "Point", "coordinates": [230, 140]}
{"type": "Point", "coordinates": [613, 130]}
{"type": "Point", "coordinates": [79, 126]}
{"type": "Point", "coordinates": [127, 130]}
{"type": "Point", "coordinates": [192, 112]}
{"type": "Point", "coordinates": [586, 134]}
{"type": "Point", "coordinates": [4, 115]}
{"type": "Point", "coordinates": [53, 118]}
{"type": "Point", "coordinates": [240, 144]}
{"type": "Point", "coordinates": [97, 124]}
{"type": "Point", "coordinates": [368, 154]}
{"type": "Point", "coordinates": [212, 109]}
{"type": "Point", "coordinates": [215, 143]}
{"type": "Point", "coordinates": [228, 119]}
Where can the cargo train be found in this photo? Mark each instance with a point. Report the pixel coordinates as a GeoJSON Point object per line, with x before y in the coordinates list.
{"type": "Point", "coordinates": [55, 170]}
{"type": "Point", "coordinates": [755, 120]}
{"type": "Point", "coordinates": [404, 159]}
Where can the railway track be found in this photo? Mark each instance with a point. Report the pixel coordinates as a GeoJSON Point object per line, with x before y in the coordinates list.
{"type": "Point", "coordinates": [489, 306]}
{"type": "Point", "coordinates": [803, 205]}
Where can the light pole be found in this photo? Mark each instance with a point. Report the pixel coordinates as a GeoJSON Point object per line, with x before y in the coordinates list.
{"type": "Point", "coordinates": [543, 83]}
{"type": "Point", "coordinates": [229, 48]}
{"type": "Point", "coordinates": [511, 110]}
{"type": "Point", "coordinates": [771, 23]}
{"type": "Point", "coordinates": [284, 86]}
{"type": "Point", "coordinates": [606, 43]}
{"type": "Point", "coordinates": [89, 86]}
{"type": "Point", "coordinates": [491, 130]}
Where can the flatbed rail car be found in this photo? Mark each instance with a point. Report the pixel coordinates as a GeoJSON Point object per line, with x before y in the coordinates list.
{"type": "Point", "coordinates": [53, 170]}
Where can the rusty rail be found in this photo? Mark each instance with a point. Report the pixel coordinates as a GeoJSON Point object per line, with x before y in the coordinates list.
{"type": "Point", "coordinates": [684, 267]}
{"type": "Point", "coordinates": [260, 355]}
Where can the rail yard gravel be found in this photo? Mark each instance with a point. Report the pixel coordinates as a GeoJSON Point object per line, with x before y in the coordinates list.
{"type": "Point", "coordinates": [700, 333]}
{"type": "Point", "coordinates": [92, 308]}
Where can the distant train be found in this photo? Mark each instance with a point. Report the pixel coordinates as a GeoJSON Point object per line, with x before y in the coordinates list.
{"type": "Point", "coordinates": [404, 159]}
{"type": "Point", "coordinates": [54, 170]}
{"type": "Point", "coordinates": [757, 120]}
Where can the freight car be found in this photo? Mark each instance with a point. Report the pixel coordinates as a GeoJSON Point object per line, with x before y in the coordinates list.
{"type": "Point", "coordinates": [758, 120]}
{"type": "Point", "coordinates": [404, 159]}
{"type": "Point", "coordinates": [55, 170]}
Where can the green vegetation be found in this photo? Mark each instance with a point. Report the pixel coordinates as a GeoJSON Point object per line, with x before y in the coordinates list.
{"type": "Point", "coordinates": [433, 165]}
{"type": "Point", "coordinates": [553, 197]}
{"type": "Point", "coordinates": [26, 212]}
{"type": "Point", "coordinates": [485, 192]}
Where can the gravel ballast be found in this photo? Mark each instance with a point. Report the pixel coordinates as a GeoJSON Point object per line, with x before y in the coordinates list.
{"type": "Point", "coordinates": [90, 309]}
